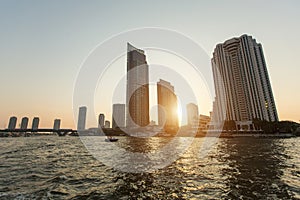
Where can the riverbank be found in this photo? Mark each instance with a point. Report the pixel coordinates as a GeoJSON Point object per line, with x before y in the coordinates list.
{"type": "Point", "coordinates": [256, 135]}
{"type": "Point", "coordinates": [163, 134]}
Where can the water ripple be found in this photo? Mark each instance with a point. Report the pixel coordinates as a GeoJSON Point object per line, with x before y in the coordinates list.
{"type": "Point", "coordinates": [239, 168]}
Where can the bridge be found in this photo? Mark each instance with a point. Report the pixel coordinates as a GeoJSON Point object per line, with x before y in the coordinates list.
{"type": "Point", "coordinates": [59, 132]}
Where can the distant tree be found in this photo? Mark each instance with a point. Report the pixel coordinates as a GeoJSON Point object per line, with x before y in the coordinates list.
{"type": "Point", "coordinates": [287, 126]}
{"type": "Point", "coordinates": [275, 127]}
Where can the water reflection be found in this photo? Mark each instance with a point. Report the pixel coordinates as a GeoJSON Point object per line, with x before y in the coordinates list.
{"type": "Point", "coordinates": [255, 168]}
{"type": "Point", "coordinates": [61, 168]}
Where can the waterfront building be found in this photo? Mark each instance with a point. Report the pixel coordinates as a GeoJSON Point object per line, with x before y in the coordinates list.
{"type": "Point", "coordinates": [81, 118]}
{"type": "Point", "coordinates": [12, 123]}
{"type": "Point", "coordinates": [204, 122]}
{"type": "Point", "coordinates": [101, 120]}
{"type": "Point", "coordinates": [118, 116]}
{"type": "Point", "coordinates": [137, 97]}
{"type": "Point", "coordinates": [192, 115]}
{"type": "Point", "coordinates": [35, 123]}
{"type": "Point", "coordinates": [24, 123]}
{"type": "Point", "coordinates": [167, 106]}
{"type": "Point", "coordinates": [56, 125]}
{"type": "Point", "coordinates": [242, 85]}
{"type": "Point", "coordinates": [107, 124]}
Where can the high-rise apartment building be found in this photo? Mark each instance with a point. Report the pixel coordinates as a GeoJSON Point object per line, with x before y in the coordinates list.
{"type": "Point", "coordinates": [118, 117]}
{"type": "Point", "coordinates": [107, 124]}
{"type": "Point", "coordinates": [101, 120]}
{"type": "Point", "coordinates": [56, 125]}
{"type": "Point", "coordinates": [137, 98]}
{"type": "Point", "coordinates": [81, 118]}
{"type": "Point", "coordinates": [24, 123]}
{"type": "Point", "coordinates": [167, 106]}
{"type": "Point", "coordinates": [35, 123]}
{"type": "Point", "coordinates": [242, 84]}
{"type": "Point", "coordinates": [12, 123]}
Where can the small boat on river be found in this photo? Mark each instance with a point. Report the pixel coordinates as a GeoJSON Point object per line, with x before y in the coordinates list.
{"type": "Point", "coordinates": [111, 139]}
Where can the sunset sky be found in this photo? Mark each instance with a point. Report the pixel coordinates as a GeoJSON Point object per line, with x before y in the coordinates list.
{"type": "Point", "coordinates": [44, 43]}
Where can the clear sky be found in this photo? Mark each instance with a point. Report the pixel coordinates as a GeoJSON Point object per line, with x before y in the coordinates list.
{"type": "Point", "coordinates": [43, 43]}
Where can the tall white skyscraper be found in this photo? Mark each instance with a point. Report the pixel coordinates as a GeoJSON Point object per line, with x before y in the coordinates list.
{"type": "Point", "coordinates": [81, 118]}
{"type": "Point", "coordinates": [118, 117]}
{"type": "Point", "coordinates": [242, 84]}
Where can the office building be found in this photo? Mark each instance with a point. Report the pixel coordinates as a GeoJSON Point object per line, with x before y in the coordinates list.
{"type": "Point", "coordinates": [192, 115]}
{"type": "Point", "coordinates": [24, 123]}
{"type": "Point", "coordinates": [118, 117]}
{"type": "Point", "coordinates": [167, 106]}
{"type": "Point", "coordinates": [101, 120]}
{"type": "Point", "coordinates": [12, 123]}
{"type": "Point", "coordinates": [204, 122]}
{"type": "Point", "coordinates": [56, 125]}
{"type": "Point", "coordinates": [35, 123]}
{"type": "Point", "coordinates": [81, 118]}
{"type": "Point", "coordinates": [107, 124]}
{"type": "Point", "coordinates": [137, 97]}
{"type": "Point", "coordinates": [242, 84]}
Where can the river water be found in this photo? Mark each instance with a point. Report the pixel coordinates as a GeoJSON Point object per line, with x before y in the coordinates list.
{"type": "Point", "coordinates": [50, 167]}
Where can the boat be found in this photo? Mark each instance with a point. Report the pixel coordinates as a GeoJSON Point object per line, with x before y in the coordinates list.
{"type": "Point", "coordinates": [111, 140]}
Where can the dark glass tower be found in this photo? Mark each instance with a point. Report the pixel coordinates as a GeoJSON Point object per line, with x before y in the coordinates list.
{"type": "Point", "coordinates": [137, 98]}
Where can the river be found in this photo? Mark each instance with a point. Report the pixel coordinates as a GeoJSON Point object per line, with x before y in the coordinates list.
{"type": "Point", "coordinates": [51, 167]}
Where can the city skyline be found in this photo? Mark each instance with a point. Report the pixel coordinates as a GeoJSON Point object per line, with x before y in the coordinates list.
{"type": "Point", "coordinates": [38, 61]}
{"type": "Point", "coordinates": [238, 65]}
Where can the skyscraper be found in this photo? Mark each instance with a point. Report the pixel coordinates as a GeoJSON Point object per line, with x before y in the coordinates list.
{"type": "Point", "coordinates": [107, 124]}
{"type": "Point", "coordinates": [242, 85]}
{"type": "Point", "coordinates": [24, 123]}
{"type": "Point", "coordinates": [118, 117]}
{"type": "Point", "coordinates": [101, 120]}
{"type": "Point", "coordinates": [167, 106]}
{"type": "Point", "coordinates": [81, 118]}
{"type": "Point", "coordinates": [192, 115]}
{"type": "Point", "coordinates": [35, 123]}
{"type": "Point", "coordinates": [12, 123]}
{"type": "Point", "coordinates": [56, 125]}
{"type": "Point", "coordinates": [137, 98]}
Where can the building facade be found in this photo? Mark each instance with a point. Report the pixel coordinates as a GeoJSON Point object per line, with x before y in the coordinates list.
{"type": "Point", "coordinates": [35, 123]}
{"type": "Point", "coordinates": [137, 97]}
{"type": "Point", "coordinates": [242, 84]}
{"type": "Point", "coordinates": [118, 116]}
{"type": "Point", "coordinates": [56, 125]}
{"type": "Point", "coordinates": [192, 115]}
{"type": "Point", "coordinates": [12, 123]}
{"type": "Point", "coordinates": [81, 118]}
{"type": "Point", "coordinates": [204, 122]}
{"type": "Point", "coordinates": [107, 124]}
{"type": "Point", "coordinates": [101, 120]}
{"type": "Point", "coordinates": [24, 123]}
{"type": "Point", "coordinates": [167, 106]}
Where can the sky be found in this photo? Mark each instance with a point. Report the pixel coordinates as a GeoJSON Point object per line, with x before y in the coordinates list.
{"type": "Point", "coordinates": [44, 43]}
